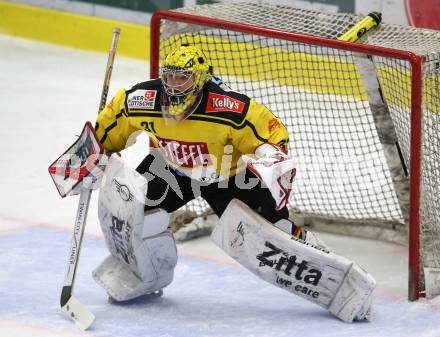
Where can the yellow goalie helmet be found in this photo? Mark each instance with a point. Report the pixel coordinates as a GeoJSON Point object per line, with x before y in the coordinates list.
{"type": "Point", "coordinates": [183, 74]}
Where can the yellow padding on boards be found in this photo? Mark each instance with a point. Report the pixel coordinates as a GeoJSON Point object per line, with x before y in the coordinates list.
{"type": "Point", "coordinates": [320, 73]}
{"type": "Point", "coordinates": [79, 31]}
{"type": "Point", "coordinates": [326, 74]}
{"type": "Point", "coordinates": [396, 88]}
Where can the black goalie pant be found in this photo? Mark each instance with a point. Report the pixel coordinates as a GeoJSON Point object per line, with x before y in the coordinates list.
{"type": "Point", "coordinates": [169, 190]}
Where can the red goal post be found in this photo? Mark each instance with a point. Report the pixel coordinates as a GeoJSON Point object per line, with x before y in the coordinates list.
{"type": "Point", "coordinates": [190, 17]}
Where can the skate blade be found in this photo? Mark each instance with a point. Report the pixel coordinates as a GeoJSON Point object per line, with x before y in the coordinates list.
{"type": "Point", "coordinates": [140, 299]}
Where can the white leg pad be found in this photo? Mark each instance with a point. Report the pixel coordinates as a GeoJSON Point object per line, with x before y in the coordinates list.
{"type": "Point", "coordinates": [315, 274]}
{"type": "Point", "coordinates": [118, 280]}
{"type": "Point", "coordinates": [122, 284]}
{"type": "Point", "coordinates": [143, 250]}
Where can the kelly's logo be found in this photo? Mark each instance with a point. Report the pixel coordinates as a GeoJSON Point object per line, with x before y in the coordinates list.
{"type": "Point", "coordinates": [217, 102]}
{"type": "Point", "coordinates": [185, 154]}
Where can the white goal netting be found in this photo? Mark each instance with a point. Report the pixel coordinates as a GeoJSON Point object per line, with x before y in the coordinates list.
{"type": "Point", "coordinates": [351, 142]}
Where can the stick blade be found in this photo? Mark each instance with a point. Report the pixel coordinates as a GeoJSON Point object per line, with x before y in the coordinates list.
{"type": "Point", "coordinates": [76, 311]}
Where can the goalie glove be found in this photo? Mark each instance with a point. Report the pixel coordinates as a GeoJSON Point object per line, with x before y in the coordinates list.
{"type": "Point", "coordinates": [275, 169]}
{"type": "Point", "coordinates": [81, 166]}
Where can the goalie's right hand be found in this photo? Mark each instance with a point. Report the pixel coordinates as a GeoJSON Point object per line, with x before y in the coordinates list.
{"type": "Point", "coordinates": [94, 173]}
{"type": "Point", "coordinates": [275, 169]}
{"type": "Point", "coordinates": [81, 166]}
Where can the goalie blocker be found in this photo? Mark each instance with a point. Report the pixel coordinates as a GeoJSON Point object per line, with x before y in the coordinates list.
{"type": "Point", "coordinates": [314, 273]}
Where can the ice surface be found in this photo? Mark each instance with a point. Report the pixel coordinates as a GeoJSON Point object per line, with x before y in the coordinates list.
{"type": "Point", "coordinates": [48, 93]}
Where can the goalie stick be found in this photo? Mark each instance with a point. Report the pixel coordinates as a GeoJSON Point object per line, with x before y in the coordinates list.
{"type": "Point", "coordinates": [69, 304]}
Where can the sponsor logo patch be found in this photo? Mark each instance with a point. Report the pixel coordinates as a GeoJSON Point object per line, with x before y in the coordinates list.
{"type": "Point", "coordinates": [280, 260]}
{"type": "Point", "coordinates": [110, 105]}
{"type": "Point", "coordinates": [123, 190]}
{"type": "Point", "coordinates": [185, 154]}
{"type": "Point", "coordinates": [273, 124]}
{"type": "Point", "coordinates": [238, 240]}
{"type": "Point", "coordinates": [291, 271]}
{"type": "Point", "coordinates": [141, 100]}
{"type": "Point", "coordinates": [121, 232]}
{"type": "Point", "coordinates": [217, 102]}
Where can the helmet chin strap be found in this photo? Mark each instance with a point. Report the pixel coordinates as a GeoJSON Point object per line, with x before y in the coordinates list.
{"type": "Point", "coordinates": [176, 100]}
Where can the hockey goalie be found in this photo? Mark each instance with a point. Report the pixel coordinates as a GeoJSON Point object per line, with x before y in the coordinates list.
{"type": "Point", "coordinates": [219, 144]}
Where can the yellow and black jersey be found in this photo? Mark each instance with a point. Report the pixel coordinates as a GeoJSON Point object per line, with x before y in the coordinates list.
{"type": "Point", "coordinates": [207, 145]}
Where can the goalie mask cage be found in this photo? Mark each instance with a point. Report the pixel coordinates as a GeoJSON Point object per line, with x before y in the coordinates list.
{"type": "Point", "coordinates": [290, 60]}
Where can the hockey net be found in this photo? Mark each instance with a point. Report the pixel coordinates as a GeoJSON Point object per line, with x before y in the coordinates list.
{"type": "Point", "coordinates": [363, 118]}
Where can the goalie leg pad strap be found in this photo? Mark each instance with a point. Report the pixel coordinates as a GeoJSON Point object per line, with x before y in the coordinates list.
{"type": "Point", "coordinates": [143, 251]}
{"type": "Point", "coordinates": [315, 274]}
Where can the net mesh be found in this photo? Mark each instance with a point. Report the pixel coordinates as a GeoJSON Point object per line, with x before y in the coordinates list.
{"type": "Point", "coordinates": [430, 185]}
{"type": "Point", "coordinates": [344, 171]}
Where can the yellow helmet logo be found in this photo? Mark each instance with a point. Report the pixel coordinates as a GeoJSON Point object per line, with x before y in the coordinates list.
{"type": "Point", "coordinates": [191, 59]}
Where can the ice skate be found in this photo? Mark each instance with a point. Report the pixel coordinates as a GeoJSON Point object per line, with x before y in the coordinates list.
{"type": "Point", "coordinates": [141, 299]}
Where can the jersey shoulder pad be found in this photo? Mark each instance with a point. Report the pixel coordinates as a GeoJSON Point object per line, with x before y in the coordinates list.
{"type": "Point", "coordinates": [224, 104]}
{"type": "Point", "coordinates": [144, 96]}
{"type": "Point", "coordinates": [151, 84]}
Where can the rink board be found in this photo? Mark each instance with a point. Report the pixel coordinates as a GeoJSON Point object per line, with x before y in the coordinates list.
{"type": "Point", "coordinates": [73, 30]}
{"type": "Point", "coordinates": [207, 298]}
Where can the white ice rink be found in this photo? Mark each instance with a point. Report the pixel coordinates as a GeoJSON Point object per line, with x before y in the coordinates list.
{"type": "Point", "coordinates": [47, 93]}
